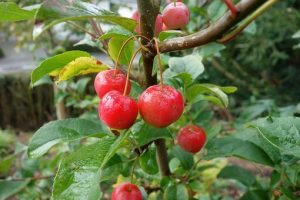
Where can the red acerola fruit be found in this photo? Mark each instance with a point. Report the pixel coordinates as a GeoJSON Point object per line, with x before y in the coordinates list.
{"type": "Point", "coordinates": [158, 23]}
{"type": "Point", "coordinates": [191, 138]}
{"type": "Point", "coordinates": [176, 16]}
{"type": "Point", "coordinates": [117, 111]}
{"type": "Point", "coordinates": [127, 191]}
{"type": "Point", "coordinates": [161, 106]}
{"type": "Point", "coordinates": [110, 80]}
{"type": "Point", "coordinates": [136, 16]}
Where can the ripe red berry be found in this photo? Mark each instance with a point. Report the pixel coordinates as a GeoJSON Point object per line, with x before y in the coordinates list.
{"type": "Point", "coordinates": [161, 106]}
{"type": "Point", "coordinates": [117, 111]}
{"type": "Point", "coordinates": [191, 138]}
{"type": "Point", "coordinates": [176, 16]}
{"type": "Point", "coordinates": [127, 191]}
{"type": "Point", "coordinates": [158, 23]}
{"type": "Point", "coordinates": [110, 80]}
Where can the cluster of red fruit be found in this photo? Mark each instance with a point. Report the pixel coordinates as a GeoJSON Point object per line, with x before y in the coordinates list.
{"type": "Point", "coordinates": [174, 16]}
{"type": "Point", "coordinates": [158, 105]}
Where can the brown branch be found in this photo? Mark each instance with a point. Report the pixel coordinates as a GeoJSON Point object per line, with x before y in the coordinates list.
{"type": "Point", "coordinates": [214, 31]}
{"type": "Point", "coordinates": [148, 11]}
{"type": "Point", "coordinates": [98, 30]}
{"type": "Point", "coordinates": [162, 157]}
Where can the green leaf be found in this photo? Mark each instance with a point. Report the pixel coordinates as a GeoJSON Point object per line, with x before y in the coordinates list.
{"type": "Point", "coordinates": [112, 168]}
{"type": "Point", "coordinates": [240, 174]}
{"type": "Point", "coordinates": [10, 12]}
{"type": "Point", "coordinates": [216, 9]}
{"type": "Point", "coordinates": [251, 28]}
{"type": "Point", "coordinates": [186, 158]}
{"type": "Point", "coordinates": [253, 111]}
{"type": "Point", "coordinates": [176, 192]}
{"type": "Point", "coordinates": [213, 131]}
{"type": "Point", "coordinates": [169, 34]}
{"type": "Point", "coordinates": [195, 90]}
{"type": "Point", "coordinates": [8, 188]}
{"type": "Point", "coordinates": [114, 47]}
{"type": "Point", "coordinates": [293, 173]}
{"type": "Point", "coordinates": [210, 49]}
{"type": "Point", "coordinates": [148, 162]}
{"type": "Point", "coordinates": [81, 66]}
{"type": "Point", "coordinates": [78, 175]}
{"type": "Point", "coordinates": [116, 31]}
{"type": "Point", "coordinates": [297, 34]}
{"type": "Point", "coordinates": [6, 163]}
{"type": "Point", "coordinates": [283, 133]}
{"type": "Point", "coordinates": [229, 89]}
{"type": "Point", "coordinates": [55, 63]}
{"type": "Point", "coordinates": [255, 195]}
{"type": "Point", "coordinates": [230, 146]}
{"type": "Point", "coordinates": [60, 131]}
{"type": "Point", "coordinates": [251, 135]}
{"type": "Point", "coordinates": [54, 12]}
{"type": "Point", "coordinates": [191, 64]}
{"type": "Point", "coordinates": [143, 133]}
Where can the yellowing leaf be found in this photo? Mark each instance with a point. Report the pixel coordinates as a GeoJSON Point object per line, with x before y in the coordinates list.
{"type": "Point", "coordinates": [81, 66]}
{"type": "Point", "coordinates": [55, 72]}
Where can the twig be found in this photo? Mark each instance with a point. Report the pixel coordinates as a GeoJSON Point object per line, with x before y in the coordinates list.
{"type": "Point", "coordinates": [84, 30]}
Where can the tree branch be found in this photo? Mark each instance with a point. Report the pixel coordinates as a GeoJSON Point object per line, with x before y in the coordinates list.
{"type": "Point", "coordinates": [148, 10]}
{"type": "Point", "coordinates": [214, 31]}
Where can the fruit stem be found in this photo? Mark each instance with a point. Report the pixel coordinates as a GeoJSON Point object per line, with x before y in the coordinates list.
{"type": "Point", "coordinates": [231, 7]}
{"type": "Point", "coordinates": [159, 63]}
{"type": "Point", "coordinates": [129, 68]}
{"type": "Point", "coordinates": [123, 46]}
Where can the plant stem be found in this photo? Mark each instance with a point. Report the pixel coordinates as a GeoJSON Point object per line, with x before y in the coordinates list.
{"type": "Point", "coordinates": [162, 157]}
{"type": "Point", "coordinates": [159, 63]}
{"type": "Point", "coordinates": [129, 68]}
{"type": "Point", "coordinates": [148, 11]}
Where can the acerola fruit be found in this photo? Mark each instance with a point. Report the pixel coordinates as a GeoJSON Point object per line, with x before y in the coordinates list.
{"type": "Point", "coordinates": [136, 16]}
{"type": "Point", "coordinates": [158, 23]}
{"type": "Point", "coordinates": [161, 106]}
{"type": "Point", "coordinates": [191, 138]}
{"type": "Point", "coordinates": [117, 111]}
{"type": "Point", "coordinates": [126, 191]}
{"type": "Point", "coordinates": [110, 80]}
{"type": "Point", "coordinates": [176, 16]}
